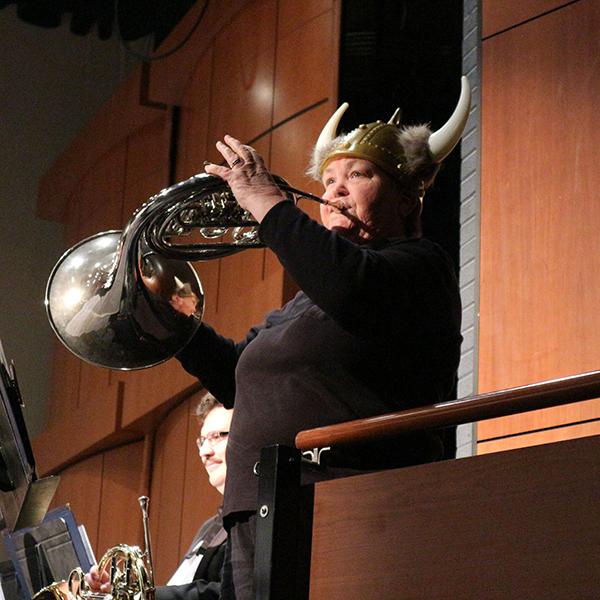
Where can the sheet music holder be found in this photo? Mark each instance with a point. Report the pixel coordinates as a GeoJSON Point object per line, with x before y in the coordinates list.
{"type": "Point", "coordinates": [48, 552]}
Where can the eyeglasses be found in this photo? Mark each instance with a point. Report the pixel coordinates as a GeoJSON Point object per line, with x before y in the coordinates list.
{"type": "Point", "coordinates": [213, 438]}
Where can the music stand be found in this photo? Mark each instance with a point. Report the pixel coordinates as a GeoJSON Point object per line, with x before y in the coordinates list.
{"type": "Point", "coordinates": [48, 552]}
{"type": "Point", "coordinates": [39, 547]}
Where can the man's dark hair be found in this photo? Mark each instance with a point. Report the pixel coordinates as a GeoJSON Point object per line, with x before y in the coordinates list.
{"type": "Point", "coordinates": [205, 405]}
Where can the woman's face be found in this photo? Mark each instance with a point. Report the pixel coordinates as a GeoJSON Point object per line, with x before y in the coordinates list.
{"type": "Point", "coordinates": [212, 450]}
{"type": "Point", "coordinates": [366, 203]}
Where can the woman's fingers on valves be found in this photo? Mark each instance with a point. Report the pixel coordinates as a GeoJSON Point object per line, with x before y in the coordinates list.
{"type": "Point", "coordinates": [228, 154]}
{"type": "Point", "coordinates": [239, 155]}
{"type": "Point", "coordinates": [243, 165]}
{"type": "Point", "coordinates": [245, 153]}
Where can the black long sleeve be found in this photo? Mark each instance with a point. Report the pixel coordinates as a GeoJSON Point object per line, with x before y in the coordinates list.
{"type": "Point", "coordinates": [361, 287]}
{"type": "Point", "coordinates": [212, 358]}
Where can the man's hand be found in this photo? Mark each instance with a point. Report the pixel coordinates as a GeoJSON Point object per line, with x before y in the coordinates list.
{"type": "Point", "coordinates": [98, 582]}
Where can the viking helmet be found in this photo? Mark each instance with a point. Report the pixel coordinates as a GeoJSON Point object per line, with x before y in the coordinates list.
{"type": "Point", "coordinates": [406, 153]}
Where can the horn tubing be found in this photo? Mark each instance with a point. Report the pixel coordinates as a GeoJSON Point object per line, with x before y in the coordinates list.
{"type": "Point", "coordinates": [158, 240]}
{"type": "Point", "coordinates": [110, 312]}
{"type": "Point", "coordinates": [144, 502]}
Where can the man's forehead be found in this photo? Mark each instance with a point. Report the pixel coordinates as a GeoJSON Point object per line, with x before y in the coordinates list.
{"type": "Point", "coordinates": [217, 419]}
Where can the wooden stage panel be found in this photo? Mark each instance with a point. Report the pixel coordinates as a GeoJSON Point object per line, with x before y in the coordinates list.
{"type": "Point", "coordinates": [518, 524]}
{"type": "Point", "coordinates": [120, 513]}
{"type": "Point", "coordinates": [80, 487]}
{"type": "Point", "coordinates": [540, 214]}
{"type": "Point", "coordinates": [534, 438]}
{"type": "Point", "coordinates": [502, 14]}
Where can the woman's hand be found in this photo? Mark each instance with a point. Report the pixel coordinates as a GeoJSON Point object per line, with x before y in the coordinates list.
{"type": "Point", "coordinates": [98, 582]}
{"type": "Point", "coordinates": [247, 176]}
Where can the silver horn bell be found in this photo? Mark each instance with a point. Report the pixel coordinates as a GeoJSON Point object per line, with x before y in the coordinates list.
{"type": "Point", "coordinates": [130, 300]}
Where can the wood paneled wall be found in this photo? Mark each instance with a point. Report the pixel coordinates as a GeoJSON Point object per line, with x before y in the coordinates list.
{"type": "Point", "coordinates": [102, 491]}
{"type": "Point", "coordinates": [500, 15]}
{"type": "Point", "coordinates": [540, 215]}
{"type": "Point", "coordinates": [264, 71]}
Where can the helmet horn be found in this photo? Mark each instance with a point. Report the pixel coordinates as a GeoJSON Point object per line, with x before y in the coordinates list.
{"type": "Point", "coordinates": [442, 141]}
{"type": "Point", "coordinates": [330, 130]}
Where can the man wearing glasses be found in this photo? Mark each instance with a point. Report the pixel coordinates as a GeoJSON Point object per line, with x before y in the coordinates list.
{"type": "Point", "coordinates": [198, 577]}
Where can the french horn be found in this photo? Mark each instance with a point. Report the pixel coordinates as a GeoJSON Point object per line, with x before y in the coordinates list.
{"type": "Point", "coordinates": [129, 570]}
{"type": "Point", "coordinates": [131, 299]}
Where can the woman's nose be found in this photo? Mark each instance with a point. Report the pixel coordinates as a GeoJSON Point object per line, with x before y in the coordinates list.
{"type": "Point", "coordinates": [336, 190]}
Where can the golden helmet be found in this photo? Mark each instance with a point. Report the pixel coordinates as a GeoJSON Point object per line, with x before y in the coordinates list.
{"type": "Point", "coordinates": [405, 153]}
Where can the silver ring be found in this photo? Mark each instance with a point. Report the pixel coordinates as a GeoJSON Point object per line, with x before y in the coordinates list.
{"type": "Point", "coordinates": [237, 161]}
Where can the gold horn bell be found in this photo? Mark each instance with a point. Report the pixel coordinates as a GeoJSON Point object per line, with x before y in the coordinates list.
{"type": "Point", "coordinates": [129, 299]}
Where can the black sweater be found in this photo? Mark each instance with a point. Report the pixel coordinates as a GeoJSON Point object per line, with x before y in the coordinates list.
{"type": "Point", "coordinates": [376, 328]}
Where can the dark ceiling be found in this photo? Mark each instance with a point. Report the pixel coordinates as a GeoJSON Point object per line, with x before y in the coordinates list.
{"type": "Point", "coordinates": [136, 18]}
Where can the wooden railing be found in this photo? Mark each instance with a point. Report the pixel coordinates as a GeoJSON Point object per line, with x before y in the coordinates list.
{"type": "Point", "coordinates": [454, 412]}
{"type": "Point", "coordinates": [307, 535]}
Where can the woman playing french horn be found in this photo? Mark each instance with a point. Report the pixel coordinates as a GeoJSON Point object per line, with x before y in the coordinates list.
{"type": "Point", "coordinates": [375, 327]}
